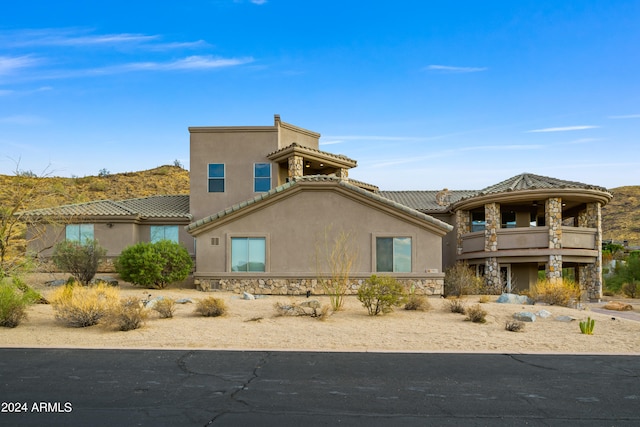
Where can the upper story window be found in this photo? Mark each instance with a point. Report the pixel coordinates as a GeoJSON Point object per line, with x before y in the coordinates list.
{"type": "Point", "coordinates": [261, 177]}
{"type": "Point", "coordinates": [478, 222]}
{"type": "Point", "coordinates": [79, 232]}
{"type": "Point", "coordinates": [393, 254]}
{"type": "Point", "coordinates": [164, 232]}
{"type": "Point", "coordinates": [508, 219]}
{"type": "Point", "coordinates": [216, 177]}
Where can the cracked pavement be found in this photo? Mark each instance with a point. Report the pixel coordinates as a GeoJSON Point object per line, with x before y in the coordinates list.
{"type": "Point", "coordinates": [226, 388]}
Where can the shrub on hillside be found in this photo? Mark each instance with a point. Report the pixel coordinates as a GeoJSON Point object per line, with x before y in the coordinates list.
{"type": "Point", "coordinates": [154, 265]}
{"type": "Point", "coordinates": [460, 280]}
{"type": "Point", "coordinates": [81, 260]}
{"type": "Point", "coordinates": [379, 294]}
{"type": "Point", "coordinates": [559, 292]}
{"type": "Point", "coordinates": [211, 307]}
{"type": "Point", "coordinates": [78, 306]}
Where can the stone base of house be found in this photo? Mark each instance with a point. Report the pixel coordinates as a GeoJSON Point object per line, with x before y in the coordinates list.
{"type": "Point", "coordinates": [290, 286]}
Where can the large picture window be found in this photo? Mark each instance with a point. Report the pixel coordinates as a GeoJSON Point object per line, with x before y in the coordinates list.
{"type": "Point", "coordinates": [261, 177]}
{"type": "Point", "coordinates": [393, 254]}
{"type": "Point", "coordinates": [164, 232]}
{"type": "Point", "coordinates": [248, 254]}
{"type": "Point", "coordinates": [79, 232]}
{"type": "Point", "coordinates": [216, 177]}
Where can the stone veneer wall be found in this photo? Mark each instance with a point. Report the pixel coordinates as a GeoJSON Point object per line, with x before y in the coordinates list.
{"type": "Point", "coordinates": [296, 167]}
{"type": "Point", "coordinates": [492, 268]}
{"type": "Point", "coordinates": [463, 226]}
{"type": "Point", "coordinates": [553, 217]}
{"type": "Point", "coordinates": [279, 286]}
{"type": "Point", "coordinates": [590, 275]}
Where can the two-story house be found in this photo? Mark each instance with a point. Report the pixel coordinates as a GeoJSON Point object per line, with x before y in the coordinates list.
{"type": "Point", "coordinates": [263, 199]}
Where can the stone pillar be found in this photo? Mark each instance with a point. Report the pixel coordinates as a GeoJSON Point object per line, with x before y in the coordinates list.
{"type": "Point", "coordinates": [492, 278]}
{"type": "Point", "coordinates": [296, 167]}
{"type": "Point", "coordinates": [492, 218]}
{"type": "Point", "coordinates": [343, 173]}
{"type": "Point", "coordinates": [593, 272]}
{"type": "Point", "coordinates": [553, 218]}
{"type": "Point", "coordinates": [463, 226]}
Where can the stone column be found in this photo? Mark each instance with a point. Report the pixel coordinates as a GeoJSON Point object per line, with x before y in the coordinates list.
{"type": "Point", "coordinates": [553, 215]}
{"type": "Point", "coordinates": [296, 167]}
{"type": "Point", "coordinates": [343, 173]}
{"type": "Point", "coordinates": [492, 278]}
{"type": "Point", "coordinates": [593, 272]}
{"type": "Point", "coordinates": [463, 226]}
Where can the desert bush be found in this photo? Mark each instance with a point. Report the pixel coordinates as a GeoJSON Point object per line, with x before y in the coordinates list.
{"type": "Point", "coordinates": [211, 307]}
{"type": "Point", "coordinates": [460, 279]}
{"type": "Point", "coordinates": [81, 260]}
{"type": "Point", "coordinates": [311, 308]}
{"type": "Point", "coordinates": [632, 290]}
{"type": "Point", "coordinates": [476, 314]}
{"type": "Point", "coordinates": [127, 315]}
{"type": "Point", "coordinates": [514, 326]}
{"type": "Point", "coordinates": [417, 302]}
{"type": "Point", "coordinates": [455, 305]}
{"type": "Point", "coordinates": [78, 306]}
{"type": "Point", "coordinates": [154, 265]}
{"type": "Point", "coordinates": [560, 292]}
{"type": "Point", "coordinates": [165, 307]}
{"type": "Point", "coordinates": [484, 299]}
{"type": "Point", "coordinates": [379, 294]}
{"type": "Point", "coordinates": [13, 305]}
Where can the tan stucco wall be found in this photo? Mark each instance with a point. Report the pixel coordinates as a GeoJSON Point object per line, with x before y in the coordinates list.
{"type": "Point", "coordinates": [293, 224]}
{"type": "Point", "coordinates": [449, 255]}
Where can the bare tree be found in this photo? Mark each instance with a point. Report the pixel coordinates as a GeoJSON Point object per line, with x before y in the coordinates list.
{"type": "Point", "coordinates": [335, 256]}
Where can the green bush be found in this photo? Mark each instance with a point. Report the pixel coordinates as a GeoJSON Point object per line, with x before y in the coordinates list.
{"type": "Point", "coordinates": [81, 260]}
{"type": "Point", "coordinates": [460, 280]}
{"type": "Point", "coordinates": [632, 289]}
{"type": "Point", "coordinates": [13, 305]}
{"type": "Point", "coordinates": [211, 307]}
{"type": "Point", "coordinates": [154, 265]}
{"type": "Point", "coordinates": [379, 294]}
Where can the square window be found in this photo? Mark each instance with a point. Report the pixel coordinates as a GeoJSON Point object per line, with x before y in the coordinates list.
{"type": "Point", "coordinates": [393, 254]}
{"type": "Point", "coordinates": [248, 254]}
{"type": "Point", "coordinates": [216, 177]}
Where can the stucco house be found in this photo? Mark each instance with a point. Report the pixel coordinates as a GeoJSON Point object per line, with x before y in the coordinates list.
{"type": "Point", "coordinates": [263, 197]}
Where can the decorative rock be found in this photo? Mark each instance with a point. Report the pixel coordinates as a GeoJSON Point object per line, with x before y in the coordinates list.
{"type": "Point", "coordinates": [543, 314]}
{"type": "Point", "coordinates": [313, 303]}
{"type": "Point", "coordinates": [58, 282]}
{"type": "Point", "coordinates": [565, 318]}
{"type": "Point", "coordinates": [525, 316]}
{"type": "Point", "coordinates": [248, 296]}
{"type": "Point", "coordinates": [184, 301]}
{"type": "Point", "coordinates": [618, 306]}
{"type": "Point", "coordinates": [514, 299]}
{"type": "Point", "coordinates": [106, 279]}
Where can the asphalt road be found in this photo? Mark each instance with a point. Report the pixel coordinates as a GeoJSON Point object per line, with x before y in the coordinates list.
{"type": "Point", "coordinates": [200, 388]}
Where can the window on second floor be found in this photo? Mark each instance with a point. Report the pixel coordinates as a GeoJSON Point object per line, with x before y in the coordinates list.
{"type": "Point", "coordinates": [478, 222]}
{"type": "Point", "coordinates": [261, 177]}
{"type": "Point", "coordinates": [164, 232]}
{"type": "Point", "coordinates": [79, 232]}
{"type": "Point", "coordinates": [393, 254]}
{"type": "Point", "coordinates": [216, 177]}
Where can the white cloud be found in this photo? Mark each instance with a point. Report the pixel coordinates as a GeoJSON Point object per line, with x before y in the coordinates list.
{"type": "Point", "coordinates": [8, 64]}
{"type": "Point", "coordinates": [68, 37]}
{"type": "Point", "coordinates": [259, 2]}
{"type": "Point", "coordinates": [628, 116]}
{"type": "Point", "coordinates": [189, 63]}
{"type": "Point", "coordinates": [584, 140]}
{"type": "Point", "coordinates": [452, 69]}
{"type": "Point", "coordinates": [563, 129]}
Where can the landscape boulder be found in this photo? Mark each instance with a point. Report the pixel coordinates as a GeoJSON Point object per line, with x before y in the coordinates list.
{"type": "Point", "coordinates": [514, 299]}
{"type": "Point", "coordinates": [618, 306]}
{"type": "Point", "coordinates": [525, 316]}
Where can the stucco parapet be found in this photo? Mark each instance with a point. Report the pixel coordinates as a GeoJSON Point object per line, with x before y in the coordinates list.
{"type": "Point", "coordinates": [231, 129]}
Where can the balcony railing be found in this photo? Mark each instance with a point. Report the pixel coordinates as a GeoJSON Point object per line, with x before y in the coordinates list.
{"type": "Point", "coordinates": [532, 238]}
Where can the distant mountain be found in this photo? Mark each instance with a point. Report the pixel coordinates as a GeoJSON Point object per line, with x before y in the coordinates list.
{"type": "Point", "coordinates": [620, 218]}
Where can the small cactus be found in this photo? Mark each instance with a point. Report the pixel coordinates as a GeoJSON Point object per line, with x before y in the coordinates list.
{"type": "Point", "coordinates": [586, 327]}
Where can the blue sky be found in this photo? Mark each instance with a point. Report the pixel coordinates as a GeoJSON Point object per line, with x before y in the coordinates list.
{"type": "Point", "coordinates": [423, 94]}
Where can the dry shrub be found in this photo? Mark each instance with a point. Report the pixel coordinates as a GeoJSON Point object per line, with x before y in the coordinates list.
{"type": "Point", "coordinates": [632, 289]}
{"type": "Point", "coordinates": [484, 299]}
{"type": "Point", "coordinates": [128, 315]}
{"type": "Point", "coordinates": [211, 307]}
{"type": "Point", "coordinates": [476, 314]}
{"type": "Point", "coordinates": [320, 312]}
{"type": "Point", "coordinates": [460, 279]}
{"type": "Point", "coordinates": [514, 326]}
{"type": "Point", "coordinates": [455, 305]}
{"type": "Point", "coordinates": [559, 292]}
{"type": "Point", "coordinates": [165, 307]}
{"type": "Point", "coordinates": [417, 302]}
{"type": "Point", "coordinates": [80, 306]}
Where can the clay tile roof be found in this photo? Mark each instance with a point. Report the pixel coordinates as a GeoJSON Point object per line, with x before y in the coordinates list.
{"type": "Point", "coordinates": [529, 181]}
{"type": "Point", "coordinates": [427, 201]}
{"type": "Point", "coordinates": [312, 150]}
{"type": "Point", "coordinates": [176, 206]}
